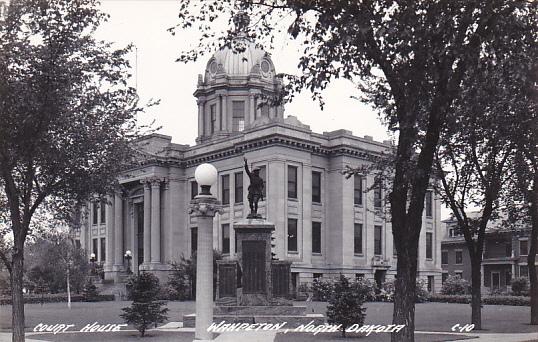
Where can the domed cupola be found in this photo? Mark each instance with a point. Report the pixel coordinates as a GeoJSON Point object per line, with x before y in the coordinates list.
{"type": "Point", "coordinates": [235, 88]}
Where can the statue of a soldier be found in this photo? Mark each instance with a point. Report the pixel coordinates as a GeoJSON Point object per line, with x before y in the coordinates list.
{"type": "Point", "coordinates": [255, 190]}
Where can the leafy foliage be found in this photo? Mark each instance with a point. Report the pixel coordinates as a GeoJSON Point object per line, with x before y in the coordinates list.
{"type": "Point", "coordinates": [520, 286]}
{"type": "Point", "coordinates": [455, 285]}
{"type": "Point", "coordinates": [180, 279]}
{"type": "Point", "coordinates": [346, 304]}
{"type": "Point", "coordinates": [145, 310]}
{"type": "Point", "coordinates": [322, 290]}
{"type": "Point", "coordinates": [387, 290]}
{"type": "Point", "coordinates": [90, 292]}
{"type": "Point", "coordinates": [408, 60]}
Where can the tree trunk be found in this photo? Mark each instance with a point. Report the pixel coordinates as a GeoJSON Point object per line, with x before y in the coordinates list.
{"type": "Point", "coordinates": [476, 293]}
{"type": "Point", "coordinates": [404, 297]}
{"type": "Point", "coordinates": [531, 258]}
{"type": "Point", "coordinates": [17, 306]}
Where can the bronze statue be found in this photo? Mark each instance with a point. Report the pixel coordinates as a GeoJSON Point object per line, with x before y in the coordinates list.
{"type": "Point", "coordinates": [255, 190]}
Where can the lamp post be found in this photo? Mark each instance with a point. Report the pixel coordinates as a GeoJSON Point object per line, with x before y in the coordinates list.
{"type": "Point", "coordinates": [92, 260]}
{"type": "Point", "coordinates": [128, 256]}
{"type": "Point", "coordinates": [204, 207]}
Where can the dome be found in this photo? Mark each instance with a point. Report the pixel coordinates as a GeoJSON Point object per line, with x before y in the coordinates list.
{"type": "Point", "coordinates": [249, 60]}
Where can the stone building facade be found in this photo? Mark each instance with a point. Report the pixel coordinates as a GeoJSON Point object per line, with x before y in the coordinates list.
{"type": "Point", "coordinates": [504, 256]}
{"type": "Point", "coordinates": [326, 224]}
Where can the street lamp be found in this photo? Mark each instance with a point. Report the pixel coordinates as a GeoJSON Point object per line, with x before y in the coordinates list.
{"type": "Point", "coordinates": [128, 256]}
{"type": "Point", "coordinates": [204, 207]}
{"type": "Point", "coordinates": [92, 260]}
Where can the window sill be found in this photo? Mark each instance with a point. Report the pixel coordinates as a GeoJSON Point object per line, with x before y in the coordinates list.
{"type": "Point", "coordinates": [317, 203]}
{"type": "Point", "coordinates": [293, 252]}
{"type": "Point", "coordinates": [293, 199]}
{"type": "Point", "coordinates": [358, 255]}
{"type": "Point", "coordinates": [316, 254]}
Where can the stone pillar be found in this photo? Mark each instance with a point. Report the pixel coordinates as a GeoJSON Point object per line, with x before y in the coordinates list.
{"type": "Point", "coordinates": [118, 231]}
{"type": "Point", "coordinates": [224, 109]}
{"type": "Point", "coordinates": [252, 110]}
{"type": "Point", "coordinates": [109, 262]}
{"type": "Point", "coordinates": [147, 223]}
{"type": "Point", "coordinates": [156, 221]}
{"type": "Point", "coordinates": [217, 113]}
{"type": "Point", "coordinates": [201, 131]}
{"type": "Point", "coordinates": [204, 208]}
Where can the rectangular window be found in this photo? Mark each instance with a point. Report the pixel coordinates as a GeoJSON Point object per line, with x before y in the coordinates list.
{"type": "Point", "coordinates": [459, 257]}
{"type": "Point", "coordinates": [292, 235]}
{"type": "Point", "coordinates": [316, 187]}
{"type": "Point", "coordinates": [194, 189]}
{"type": "Point", "coordinates": [225, 189]}
{"type": "Point", "coordinates": [377, 240]}
{"type": "Point", "coordinates": [508, 277]}
{"type": "Point", "coordinates": [508, 250]}
{"type": "Point", "coordinates": [357, 238]}
{"type": "Point", "coordinates": [226, 238]}
{"type": "Point", "coordinates": [430, 284]}
{"type": "Point", "coordinates": [238, 183]}
{"type": "Point", "coordinates": [394, 249]}
{"type": "Point", "coordinates": [357, 189]}
{"type": "Point", "coordinates": [429, 245]}
{"type": "Point", "coordinates": [292, 181]}
{"type": "Point", "coordinates": [213, 115]}
{"type": "Point", "coordinates": [102, 208]}
{"type": "Point", "coordinates": [523, 247]}
{"type": "Point", "coordinates": [238, 116]}
{"type": "Point", "coordinates": [444, 257]}
{"type": "Point", "coordinates": [377, 193]}
{"type": "Point", "coordinates": [265, 110]}
{"type": "Point", "coordinates": [429, 203]}
{"type": "Point", "coordinates": [316, 237]}
{"type": "Point", "coordinates": [444, 277]}
{"type": "Point", "coordinates": [103, 249]}
{"type": "Point", "coordinates": [524, 271]}
{"type": "Point", "coordinates": [94, 247]}
{"type": "Point", "coordinates": [94, 212]}
{"type": "Point", "coordinates": [77, 244]}
{"type": "Point", "coordinates": [194, 240]}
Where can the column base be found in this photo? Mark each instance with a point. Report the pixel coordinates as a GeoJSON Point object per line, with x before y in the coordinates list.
{"type": "Point", "coordinates": [118, 268]}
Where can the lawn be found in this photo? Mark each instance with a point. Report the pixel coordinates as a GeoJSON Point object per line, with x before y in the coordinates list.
{"type": "Point", "coordinates": [430, 317]}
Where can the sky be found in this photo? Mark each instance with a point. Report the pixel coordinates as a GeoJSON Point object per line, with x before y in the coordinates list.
{"type": "Point", "coordinates": [158, 76]}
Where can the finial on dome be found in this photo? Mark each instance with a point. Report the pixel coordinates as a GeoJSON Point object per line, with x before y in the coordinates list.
{"type": "Point", "coordinates": [241, 21]}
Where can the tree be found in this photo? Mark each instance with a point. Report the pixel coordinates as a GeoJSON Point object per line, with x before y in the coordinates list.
{"type": "Point", "coordinates": [90, 292]}
{"type": "Point", "coordinates": [67, 115]}
{"type": "Point", "coordinates": [145, 309]}
{"type": "Point", "coordinates": [408, 59]}
{"type": "Point", "coordinates": [524, 191]}
{"type": "Point", "coordinates": [345, 304]}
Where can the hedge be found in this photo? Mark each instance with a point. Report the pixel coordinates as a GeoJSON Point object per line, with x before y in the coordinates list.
{"type": "Point", "coordinates": [55, 298]}
{"type": "Point", "coordinates": [489, 300]}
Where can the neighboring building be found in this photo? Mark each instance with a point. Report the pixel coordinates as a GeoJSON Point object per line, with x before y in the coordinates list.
{"type": "Point", "coordinates": [504, 256]}
{"type": "Point", "coordinates": [326, 224]}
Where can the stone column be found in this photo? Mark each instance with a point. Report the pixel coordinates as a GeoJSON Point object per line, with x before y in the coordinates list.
{"type": "Point", "coordinates": [224, 112]}
{"type": "Point", "coordinates": [156, 221]}
{"type": "Point", "coordinates": [118, 231]}
{"type": "Point", "coordinates": [251, 111]}
{"type": "Point", "coordinates": [217, 113]}
{"type": "Point", "coordinates": [204, 208]}
{"type": "Point", "coordinates": [201, 131]}
{"type": "Point", "coordinates": [109, 262]}
{"type": "Point", "coordinates": [147, 223]}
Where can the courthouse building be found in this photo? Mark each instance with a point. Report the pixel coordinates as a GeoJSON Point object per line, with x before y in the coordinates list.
{"type": "Point", "coordinates": [326, 224]}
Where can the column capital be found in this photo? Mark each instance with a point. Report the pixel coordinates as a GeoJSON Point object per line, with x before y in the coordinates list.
{"type": "Point", "coordinates": [153, 182]}
{"type": "Point", "coordinates": [205, 206]}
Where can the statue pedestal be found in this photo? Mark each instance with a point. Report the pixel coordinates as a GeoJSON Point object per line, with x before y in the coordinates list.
{"type": "Point", "coordinates": [253, 288]}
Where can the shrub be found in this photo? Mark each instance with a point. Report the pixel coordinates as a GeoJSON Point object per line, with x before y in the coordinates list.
{"type": "Point", "coordinates": [90, 293]}
{"type": "Point", "coordinates": [145, 309]}
{"type": "Point", "coordinates": [520, 286]}
{"type": "Point", "coordinates": [54, 298]}
{"type": "Point", "coordinates": [455, 285]}
{"type": "Point", "coordinates": [489, 300]}
{"type": "Point", "coordinates": [322, 290]}
{"type": "Point", "coordinates": [421, 295]}
{"type": "Point", "coordinates": [180, 279]}
{"type": "Point", "coordinates": [386, 292]}
{"type": "Point", "coordinates": [346, 304]}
